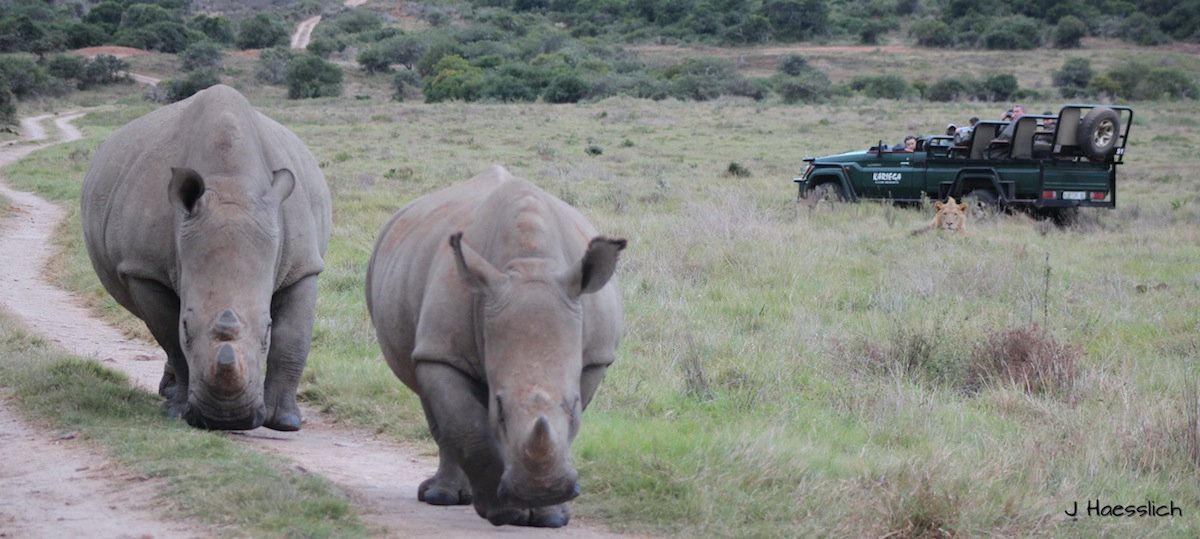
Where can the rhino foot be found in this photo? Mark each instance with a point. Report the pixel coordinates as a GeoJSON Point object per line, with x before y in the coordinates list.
{"type": "Point", "coordinates": [175, 407]}
{"type": "Point", "coordinates": [436, 494]}
{"type": "Point", "coordinates": [285, 422]}
{"type": "Point", "coordinates": [167, 386]}
{"type": "Point", "coordinates": [553, 516]}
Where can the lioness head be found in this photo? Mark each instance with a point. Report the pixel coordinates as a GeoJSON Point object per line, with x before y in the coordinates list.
{"type": "Point", "coordinates": [950, 216]}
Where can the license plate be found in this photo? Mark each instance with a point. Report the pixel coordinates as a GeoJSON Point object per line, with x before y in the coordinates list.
{"type": "Point", "coordinates": [1074, 195]}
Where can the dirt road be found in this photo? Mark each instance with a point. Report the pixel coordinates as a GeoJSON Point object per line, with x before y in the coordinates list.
{"type": "Point", "coordinates": [380, 477]}
{"type": "Point", "coordinates": [303, 33]}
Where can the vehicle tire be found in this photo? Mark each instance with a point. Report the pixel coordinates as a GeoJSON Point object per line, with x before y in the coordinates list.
{"type": "Point", "coordinates": [983, 200]}
{"type": "Point", "coordinates": [1098, 132]}
{"type": "Point", "coordinates": [827, 191]}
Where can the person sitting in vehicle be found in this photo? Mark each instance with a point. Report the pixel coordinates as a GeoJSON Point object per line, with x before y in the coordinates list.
{"type": "Point", "coordinates": [909, 145]}
{"type": "Point", "coordinates": [1048, 123]}
{"type": "Point", "coordinates": [1006, 134]}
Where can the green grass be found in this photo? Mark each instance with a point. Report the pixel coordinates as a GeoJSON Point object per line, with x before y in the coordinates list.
{"type": "Point", "coordinates": [789, 370]}
{"type": "Point", "coordinates": [206, 476]}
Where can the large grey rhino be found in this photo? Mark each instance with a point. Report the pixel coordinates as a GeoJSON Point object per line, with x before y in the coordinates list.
{"type": "Point", "coordinates": [492, 300]}
{"type": "Point", "coordinates": [209, 221]}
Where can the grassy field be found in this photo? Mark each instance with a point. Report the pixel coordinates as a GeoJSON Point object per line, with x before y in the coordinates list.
{"type": "Point", "coordinates": [791, 370]}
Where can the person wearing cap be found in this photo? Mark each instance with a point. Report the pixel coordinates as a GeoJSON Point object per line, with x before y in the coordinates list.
{"type": "Point", "coordinates": [951, 130]}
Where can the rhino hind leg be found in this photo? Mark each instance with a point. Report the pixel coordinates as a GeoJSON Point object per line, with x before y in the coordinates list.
{"type": "Point", "coordinates": [293, 311]}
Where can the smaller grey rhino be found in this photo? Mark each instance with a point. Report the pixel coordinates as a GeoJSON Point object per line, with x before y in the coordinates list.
{"type": "Point", "coordinates": [493, 301]}
{"type": "Point", "coordinates": [209, 221]}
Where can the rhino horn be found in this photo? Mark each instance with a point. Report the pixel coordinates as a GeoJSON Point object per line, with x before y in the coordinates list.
{"type": "Point", "coordinates": [227, 373]}
{"type": "Point", "coordinates": [539, 446]}
{"type": "Point", "coordinates": [227, 327]}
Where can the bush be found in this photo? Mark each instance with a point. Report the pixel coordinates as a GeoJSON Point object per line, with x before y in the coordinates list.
{"type": "Point", "coordinates": [795, 65]}
{"type": "Point", "coordinates": [180, 89]}
{"type": "Point", "coordinates": [950, 90]}
{"type": "Point", "coordinates": [167, 36]}
{"type": "Point", "coordinates": [1069, 32]}
{"type": "Point", "coordinates": [812, 87]}
{"type": "Point", "coordinates": [882, 86]}
{"type": "Point", "coordinates": [999, 87]}
{"type": "Point", "coordinates": [202, 55]}
{"type": "Point", "coordinates": [1166, 84]}
{"type": "Point", "coordinates": [8, 103]}
{"type": "Point", "coordinates": [106, 15]}
{"type": "Point", "coordinates": [325, 46]}
{"type": "Point", "coordinates": [932, 33]}
{"type": "Point", "coordinates": [565, 87]}
{"type": "Point", "coordinates": [374, 60]}
{"type": "Point", "coordinates": [272, 65]}
{"type": "Point", "coordinates": [216, 28]}
{"type": "Point", "coordinates": [1075, 74]}
{"type": "Point", "coordinates": [1142, 29]}
{"type": "Point", "coordinates": [311, 76]}
{"type": "Point", "coordinates": [262, 31]}
{"type": "Point", "coordinates": [67, 67]}
{"type": "Point", "coordinates": [105, 69]}
{"type": "Point", "coordinates": [407, 83]}
{"type": "Point", "coordinates": [453, 78]}
{"type": "Point", "coordinates": [1012, 33]}
{"type": "Point", "coordinates": [82, 35]}
{"type": "Point", "coordinates": [506, 88]}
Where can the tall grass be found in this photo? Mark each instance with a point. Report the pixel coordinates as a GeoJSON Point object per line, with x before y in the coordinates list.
{"type": "Point", "coordinates": [789, 370]}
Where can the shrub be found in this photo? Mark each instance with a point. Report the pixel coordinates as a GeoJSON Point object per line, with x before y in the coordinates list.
{"type": "Point", "coordinates": [180, 89]}
{"type": "Point", "coordinates": [505, 88]}
{"type": "Point", "coordinates": [1012, 33]}
{"type": "Point", "coordinates": [1165, 84]}
{"type": "Point", "coordinates": [889, 86]}
{"type": "Point", "coordinates": [1069, 32]}
{"type": "Point", "coordinates": [25, 78]}
{"type": "Point", "coordinates": [216, 28]}
{"type": "Point", "coordinates": [204, 54]}
{"type": "Point", "coordinates": [166, 36]}
{"type": "Point", "coordinates": [272, 65]}
{"type": "Point", "coordinates": [356, 21]}
{"type": "Point", "coordinates": [406, 84]}
{"type": "Point", "coordinates": [67, 67]}
{"type": "Point", "coordinates": [325, 46]}
{"type": "Point", "coordinates": [950, 89]}
{"type": "Point", "coordinates": [137, 16]}
{"type": "Point", "coordinates": [262, 31]}
{"type": "Point", "coordinates": [106, 15]}
{"type": "Point", "coordinates": [374, 60]}
{"type": "Point", "coordinates": [1075, 74]}
{"type": "Point", "coordinates": [8, 103]}
{"type": "Point", "coordinates": [453, 78]}
{"type": "Point", "coordinates": [311, 76]}
{"type": "Point", "coordinates": [795, 65]}
{"type": "Point", "coordinates": [565, 87]}
{"type": "Point", "coordinates": [1028, 357]}
{"type": "Point", "coordinates": [81, 35]}
{"type": "Point", "coordinates": [1142, 29]}
{"type": "Point", "coordinates": [999, 87]}
{"type": "Point", "coordinates": [105, 69]}
{"type": "Point", "coordinates": [932, 33]}
{"type": "Point", "coordinates": [812, 87]}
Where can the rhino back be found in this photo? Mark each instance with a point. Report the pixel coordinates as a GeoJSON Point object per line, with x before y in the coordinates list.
{"type": "Point", "coordinates": [414, 286]}
{"type": "Point", "coordinates": [126, 213]}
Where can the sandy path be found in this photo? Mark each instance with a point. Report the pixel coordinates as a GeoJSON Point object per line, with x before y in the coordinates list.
{"type": "Point", "coordinates": [303, 33]}
{"type": "Point", "coordinates": [380, 477]}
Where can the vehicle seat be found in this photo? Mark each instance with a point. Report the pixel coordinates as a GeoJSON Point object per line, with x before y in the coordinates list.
{"type": "Point", "coordinates": [1066, 129]}
{"type": "Point", "coordinates": [982, 138]}
{"type": "Point", "coordinates": [1022, 141]}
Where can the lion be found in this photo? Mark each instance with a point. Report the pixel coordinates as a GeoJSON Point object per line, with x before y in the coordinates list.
{"type": "Point", "coordinates": [950, 216]}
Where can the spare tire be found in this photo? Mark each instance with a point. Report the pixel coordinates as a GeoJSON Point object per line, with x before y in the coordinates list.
{"type": "Point", "coordinates": [1098, 132]}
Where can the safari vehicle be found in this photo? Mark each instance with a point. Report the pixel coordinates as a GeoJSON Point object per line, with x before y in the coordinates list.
{"type": "Point", "coordinates": [1043, 170]}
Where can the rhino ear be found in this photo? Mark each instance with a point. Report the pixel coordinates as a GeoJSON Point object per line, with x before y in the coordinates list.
{"type": "Point", "coordinates": [282, 184]}
{"type": "Point", "coordinates": [479, 274]}
{"type": "Point", "coordinates": [596, 267]}
{"type": "Point", "coordinates": [185, 189]}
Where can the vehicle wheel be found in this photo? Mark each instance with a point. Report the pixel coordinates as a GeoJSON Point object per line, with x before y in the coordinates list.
{"type": "Point", "coordinates": [983, 200]}
{"type": "Point", "coordinates": [1099, 131]}
{"type": "Point", "coordinates": [827, 191]}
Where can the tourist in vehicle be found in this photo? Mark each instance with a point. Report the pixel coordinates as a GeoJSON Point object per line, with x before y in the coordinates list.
{"type": "Point", "coordinates": [909, 145]}
{"type": "Point", "coordinates": [1007, 133]}
{"type": "Point", "coordinates": [1048, 123]}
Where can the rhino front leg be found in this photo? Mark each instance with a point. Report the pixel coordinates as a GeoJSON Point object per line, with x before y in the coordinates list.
{"type": "Point", "coordinates": [158, 307]}
{"type": "Point", "coordinates": [293, 310]}
{"type": "Point", "coordinates": [449, 486]}
{"type": "Point", "coordinates": [458, 419]}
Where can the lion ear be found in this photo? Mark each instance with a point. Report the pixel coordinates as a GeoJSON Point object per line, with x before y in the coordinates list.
{"type": "Point", "coordinates": [962, 208]}
{"type": "Point", "coordinates": [938, 205]}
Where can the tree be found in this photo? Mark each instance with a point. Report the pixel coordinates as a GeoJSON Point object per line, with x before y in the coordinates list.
{"type": "Point", "coordinates": [262, 31]}
{"type": "Point", "coordinates": [310, 76]}
{"type": "Point", "coordinates": [1074, 77]}
{"type": "Point", "coordinates": [217, 28]}
{"type": "Point", "coordinates": [1069, 32]}
{"type": "Point", "coordinates": [566, 87]}
{"type": "Point", "coordinates": [180, 89]}
{"type": "Point", "coordinates": [272, 65]}
{"type": "Point", "coordinates": [1012, 33]}
{"type": "Point", "coordinates": [8, 103]}
{"type": "Point", "coordinates": [106, 15]}
{"type": "Point", "coordinates": [204, 54]}
{"type": "Point", "coordinates": [453, 78]}
{"type": "Point", "coordinates": [932, 33]}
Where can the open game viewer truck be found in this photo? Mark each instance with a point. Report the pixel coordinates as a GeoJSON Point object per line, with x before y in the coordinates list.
{"type": "Point", "coordinates": [1039, 169]}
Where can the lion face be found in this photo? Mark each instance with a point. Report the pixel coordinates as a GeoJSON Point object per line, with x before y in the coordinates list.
{"type": "Point", "coordinates": [950, 216]}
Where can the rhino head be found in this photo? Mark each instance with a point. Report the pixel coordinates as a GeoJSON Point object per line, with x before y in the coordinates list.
{"type": "Point", "coordinates": [530, 330]}
{"type": "Point", "coordinates": [228, 243]}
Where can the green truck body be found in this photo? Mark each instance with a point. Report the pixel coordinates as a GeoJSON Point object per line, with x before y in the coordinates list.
{"type": "Point", "coordinates": [1075, 165]}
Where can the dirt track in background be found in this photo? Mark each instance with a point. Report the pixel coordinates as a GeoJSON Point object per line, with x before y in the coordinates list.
{"type": "Point", "coordinates": [49, 487]}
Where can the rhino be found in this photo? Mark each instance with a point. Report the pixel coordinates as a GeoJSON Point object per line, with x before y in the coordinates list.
{"type": "Point", "coordinates": [209, 221]}
{"type": "Point", "coordinates": [494, 302]}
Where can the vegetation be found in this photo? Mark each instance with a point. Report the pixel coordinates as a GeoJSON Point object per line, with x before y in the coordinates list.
{"type": "Point", "coordinates": [787, 369]}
